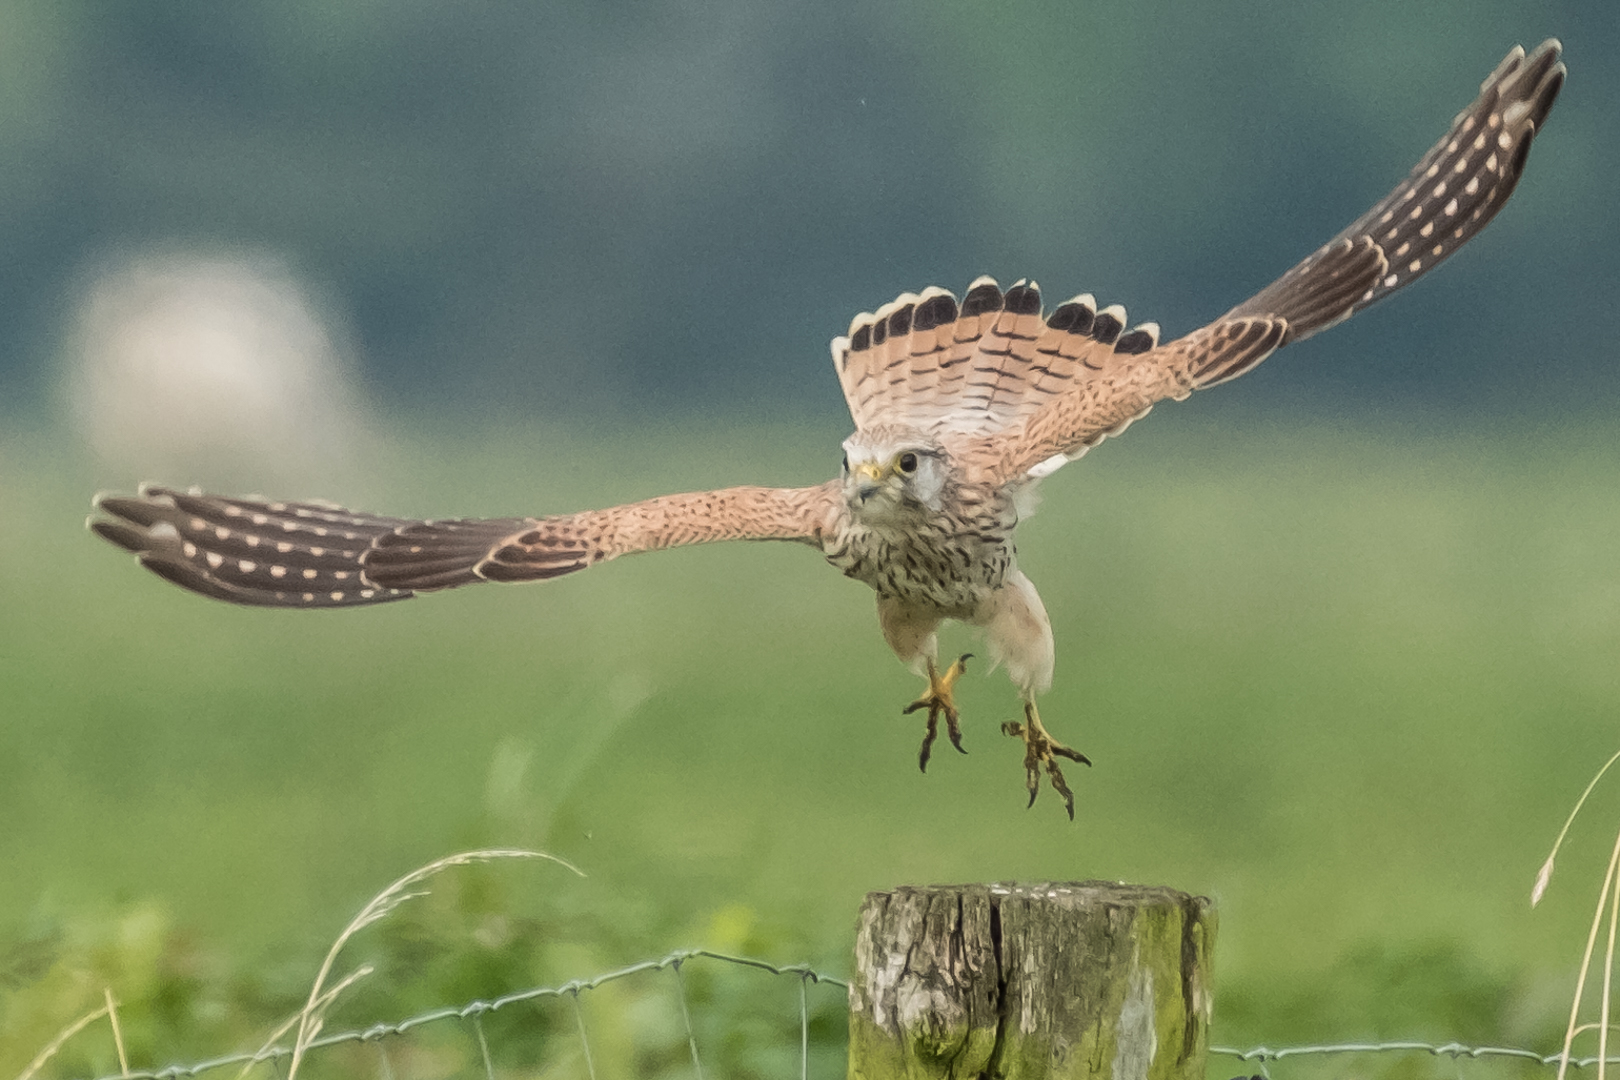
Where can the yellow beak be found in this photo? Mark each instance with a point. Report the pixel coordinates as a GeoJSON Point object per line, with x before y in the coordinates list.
{"type": "Point", "coordinates": [870, 471]}
{"type": "Point", "coordinates": [868, 478]}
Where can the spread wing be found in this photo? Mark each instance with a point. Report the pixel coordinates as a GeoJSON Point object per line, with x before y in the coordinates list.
{"type": "Point", "coordinates": [1452, 193]}
{"type": "Point", "coordinates": [289, 554]}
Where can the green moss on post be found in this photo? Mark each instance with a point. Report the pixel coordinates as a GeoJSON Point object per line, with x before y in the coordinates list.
{"type": "Point", "coordinates": [1088, 979]}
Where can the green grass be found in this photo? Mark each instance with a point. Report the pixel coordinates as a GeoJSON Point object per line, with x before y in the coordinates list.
{"type": "Point", "coordinates": [1344, 679]}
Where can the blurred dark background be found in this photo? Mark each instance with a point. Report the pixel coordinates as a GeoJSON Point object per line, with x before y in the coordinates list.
{"type": "Point", "coordinates": [639, 208]}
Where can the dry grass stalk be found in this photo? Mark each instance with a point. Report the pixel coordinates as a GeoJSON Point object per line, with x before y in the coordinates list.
{"type": "Point", "coordinates": [1608, 976]}
{"type": "Point", "coordinates": [1609, 896]}
{"type": "Point", "coordinates": [61, 1040]}
{"type": "Point", "coordinates": [1544, 878]}
{"type": "Point", "coordinates": [312, 1017]}
{"type": "Point", "coordinates": [118, 1032]}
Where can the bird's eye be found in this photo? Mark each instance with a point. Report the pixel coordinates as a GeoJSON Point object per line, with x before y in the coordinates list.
{"type": "Point", "coordinates": [908, 463]}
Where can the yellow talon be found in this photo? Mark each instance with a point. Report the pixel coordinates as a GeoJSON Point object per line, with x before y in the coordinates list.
{"type": "Point", "coordinates": [1041, 749]}
{"type": "Point", "coordinates": [937, 699]}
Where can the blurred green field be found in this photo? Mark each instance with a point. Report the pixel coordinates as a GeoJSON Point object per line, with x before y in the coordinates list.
{"type": "Point", "coordinates": [1346, 679]}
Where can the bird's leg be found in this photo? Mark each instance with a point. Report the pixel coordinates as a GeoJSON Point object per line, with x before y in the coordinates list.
{"type": "Point", "coordinates": [1041, 749]}
{"type": "Point", "coordinates": [937, 699]}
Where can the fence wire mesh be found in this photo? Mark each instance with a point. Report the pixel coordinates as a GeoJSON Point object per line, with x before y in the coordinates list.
{"type": "Point", "coordinates": [378, 1038]}
{"type": "Point", "coordinates": [1455, 1050]}
{"type": "Point", "coordinates": [384, 1040]}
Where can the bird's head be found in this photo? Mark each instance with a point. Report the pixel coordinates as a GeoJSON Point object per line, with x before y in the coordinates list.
{"type": "Point", "coordinates": [893, 472]}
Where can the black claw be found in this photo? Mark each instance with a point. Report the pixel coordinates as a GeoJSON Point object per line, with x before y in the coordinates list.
{"type": "Point", "coordinates": [953, 726]}
{"type": "Point", "coordinates": [913, 707]}
{"type": "Point", "coordinates": [1034, 791]}
{"type": "Point", "coordinates": [928, 740]}
{"type": "Point", "coordinates": [1061, 787]}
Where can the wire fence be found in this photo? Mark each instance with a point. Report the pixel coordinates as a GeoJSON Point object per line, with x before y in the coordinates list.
{"type": "Point", "coordinates": [1453, 1050]}
{"type": "Point", "coordinates": [472, 1014]}
{"type": "Point", "coordinates": [469, 1018]}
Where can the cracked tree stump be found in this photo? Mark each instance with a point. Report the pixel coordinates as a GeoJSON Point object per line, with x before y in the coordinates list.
{"type": "Point", "coordinates": [1086, 979]}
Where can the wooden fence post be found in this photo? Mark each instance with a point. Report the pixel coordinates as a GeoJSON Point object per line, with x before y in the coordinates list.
{"type": "Point", "coordinates": [1085, 979]}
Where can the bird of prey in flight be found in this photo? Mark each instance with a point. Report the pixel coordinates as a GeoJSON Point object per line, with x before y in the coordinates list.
{"type": "Point", "coordinates": [961, 407]}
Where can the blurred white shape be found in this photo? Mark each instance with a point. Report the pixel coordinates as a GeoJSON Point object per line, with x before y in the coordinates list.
{"type": "Point", "coordinates": [206, 368]}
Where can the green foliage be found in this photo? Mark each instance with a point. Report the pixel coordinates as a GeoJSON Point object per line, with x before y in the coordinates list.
{"type": "Point", "coordinates": [455, 944]}
{"type": "Point", "coordinates": [172, 995]}
{"type": "Point", "coordinates": [1436, 991]}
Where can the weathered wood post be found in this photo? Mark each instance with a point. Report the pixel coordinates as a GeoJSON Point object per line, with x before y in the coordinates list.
{"type": "Point", "coordinates": [1085, 979]}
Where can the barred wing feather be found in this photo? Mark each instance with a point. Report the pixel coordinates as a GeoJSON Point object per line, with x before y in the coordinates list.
{"type": "Point", "coordinates": [265, 553]}
{"type": "Point", "coordinates": [1452, 193]}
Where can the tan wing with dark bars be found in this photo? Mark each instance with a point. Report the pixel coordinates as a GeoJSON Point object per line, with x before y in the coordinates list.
{"type": "Point", "coordinates": [1450, 195]}
{"type": "Point", "coordinates": [285, 554]}
{"type": "Point", "coordinates": [978, 367]}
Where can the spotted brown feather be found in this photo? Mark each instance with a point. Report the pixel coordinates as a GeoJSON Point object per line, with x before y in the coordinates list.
{"type": "Point", "coordinates": [308, 555]}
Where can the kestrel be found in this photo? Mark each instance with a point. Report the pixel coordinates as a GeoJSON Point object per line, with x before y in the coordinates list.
{"type": "Point", "coordinates": [961, 408]}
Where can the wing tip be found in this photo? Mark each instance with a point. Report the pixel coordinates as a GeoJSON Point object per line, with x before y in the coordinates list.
{"type": "Point", "coordinates": [119, 534]}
